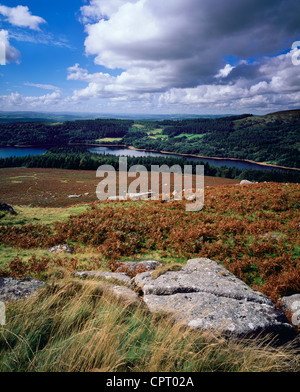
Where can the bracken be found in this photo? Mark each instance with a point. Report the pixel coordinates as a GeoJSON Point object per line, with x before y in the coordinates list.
{"type": "Point", "coordinates": [235, 228]}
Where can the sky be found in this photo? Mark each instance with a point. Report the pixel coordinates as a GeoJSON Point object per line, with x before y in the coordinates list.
{"type": "Point", "coordinates": [150, 56]}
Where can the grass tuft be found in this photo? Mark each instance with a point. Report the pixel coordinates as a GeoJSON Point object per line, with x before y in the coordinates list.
{"type": "Point", "coordinates": [162, 269]}
{"type": "Point", "coordinates": [74, 325]}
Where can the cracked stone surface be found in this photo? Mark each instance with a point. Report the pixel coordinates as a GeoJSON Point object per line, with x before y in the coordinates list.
{"type": "Point", "coordinates": [200, 275]}
{"type": "Point", "coordinates": [204, 295]}
{"type": "Point", "coordinates": [15, 289]}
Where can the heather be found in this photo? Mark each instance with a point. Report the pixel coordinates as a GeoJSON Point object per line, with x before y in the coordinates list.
{"type": "Point", "coordinates": [252, 230]}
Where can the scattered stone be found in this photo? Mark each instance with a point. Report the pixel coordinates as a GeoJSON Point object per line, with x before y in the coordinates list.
{"type": "Point", "coordinates": [139, 196]}
{"type": "Point", "coordinates": [165, 197]}
{"type": "Point", "coordinates": [274, 236]}
{"type": "Point", "coordinates": [204, 295]}
{"type": "Point", "coordinates": [14, 290]}
{"type": "Point", "coordinates": [6, 207]}
{"type": "Point", "coordinates": [117, 198]}
{"type": "Point", "coordinates": [74, 196]}
{"type": "Point", "coordinates": [190, 198]}
{"type": "Point", "coordinates": [245, 182]}
{"type": "Point", "coordinates": [132, 268]}
{"type": "Point", "coordinates": [60, 249]}
{"type": "Point", "coordinates": [291, 306]}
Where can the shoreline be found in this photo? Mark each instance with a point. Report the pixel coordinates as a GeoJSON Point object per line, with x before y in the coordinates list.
{"type": "Point", "coordinates": [160, 152]}
{"type": "Point", "coordinates": [217, 158]}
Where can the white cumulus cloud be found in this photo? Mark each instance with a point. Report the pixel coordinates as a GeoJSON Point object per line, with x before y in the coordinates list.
{"type": "Point", "coordinates": [176, 52]}
{"type": "Point", "coordinates": [30, 102]}
{"type": "Point", "coordinates": [21, 16]}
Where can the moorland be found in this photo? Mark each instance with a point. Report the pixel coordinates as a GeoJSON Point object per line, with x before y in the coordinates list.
{"type": "Point", "coordinates": [252, 230]}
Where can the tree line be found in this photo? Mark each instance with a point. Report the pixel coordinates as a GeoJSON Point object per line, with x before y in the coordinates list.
{"type": "Point", "coordinates": [80, 131]}
{"type": "Point", "coordinates": [77, 158]}
{"type": "Point", "coordinates": [272, 140]}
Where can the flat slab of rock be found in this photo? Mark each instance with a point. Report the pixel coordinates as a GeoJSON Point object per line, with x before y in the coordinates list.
{"type": "Point", "coordinates": [14, 289]}
{"type": "Point", "coordinates": [200, 275]}
{"type": "Point", "coordinates": [204, 295]}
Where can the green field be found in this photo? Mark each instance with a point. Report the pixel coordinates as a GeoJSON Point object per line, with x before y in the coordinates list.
{"type": "Point", "coordinates": [110, 140]}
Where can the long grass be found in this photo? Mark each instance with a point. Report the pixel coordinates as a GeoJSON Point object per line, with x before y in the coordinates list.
{"type": "Point", "coordinates": [79, 326]}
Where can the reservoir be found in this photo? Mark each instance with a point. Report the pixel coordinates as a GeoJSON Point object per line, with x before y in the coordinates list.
{"type": "Point", "coordinates": [211, 161]}
{"type": "Point", "coordinates": [6, 152]}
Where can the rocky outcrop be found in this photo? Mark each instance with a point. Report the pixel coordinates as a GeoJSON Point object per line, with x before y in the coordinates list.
{"type": "Point", "coordinates": [201, 295]}
{"type": "Point", "coordinates": [245, 182]}
{"type": "Point", "coordinates": [126, 295]}
{"type": "Point", "coordinates": [7, 208]}
{"type": "Point", "coordinates": [139, 196]}
{"type": "Point", "coordinates": [291, 306]}
{"type": "Point", "coordinates": [14, 290]}
{"type": "Point", "coordinates": [132, 268]}
{"type": "Point", "coordinates": [60, 249]}
{"type": "Point", "coordinates": [204, 295]}
{"type": "Point", "coordinates": [132, 196]}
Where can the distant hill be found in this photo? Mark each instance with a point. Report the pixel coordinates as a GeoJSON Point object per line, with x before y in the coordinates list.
{"type": "Point", "coordinates": [288, 116]}
{"type": "Point", "coordinates": [11, 117]}
{"type": "Point", "coordinates": [276, 137]}
{"type": "Point", "coordinates": [273, 138]}
{"type": "Point", "coordinates": [295, 112]}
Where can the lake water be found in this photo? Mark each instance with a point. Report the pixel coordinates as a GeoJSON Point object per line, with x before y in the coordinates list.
{"type": "Point", "coordinates": [6, 152]}
{"type": "Point", "coordinates": [212, 162]}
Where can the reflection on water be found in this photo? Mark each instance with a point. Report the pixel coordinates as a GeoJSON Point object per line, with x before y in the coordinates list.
{"type": "Point", "coordinates": [212, 162]}
{"type": "Point", "coordinates": [7, 152]}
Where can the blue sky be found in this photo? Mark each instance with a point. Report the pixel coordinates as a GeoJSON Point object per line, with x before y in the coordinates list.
{"type": "Point", "coordinates": [45, 54]}
{"type": "Point", "coordinates": [149, 56]}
